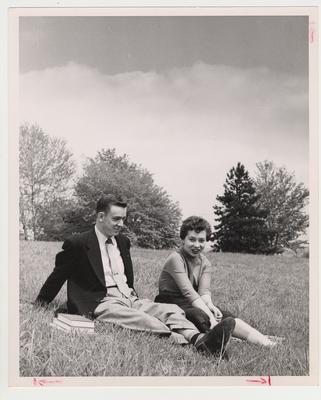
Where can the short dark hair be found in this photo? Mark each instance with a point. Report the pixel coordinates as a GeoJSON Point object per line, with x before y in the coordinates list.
{"type": "Point", "coordinates": [104, 203]}
{"type": "Point", "coordinates": [196, 224]}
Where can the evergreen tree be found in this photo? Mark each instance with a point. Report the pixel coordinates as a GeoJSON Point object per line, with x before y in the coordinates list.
{"type": "Point", "coordinates": [241, 224]}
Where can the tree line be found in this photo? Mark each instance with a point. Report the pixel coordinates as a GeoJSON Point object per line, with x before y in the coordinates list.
{"type": "Point", "coordinates": [259, 215]}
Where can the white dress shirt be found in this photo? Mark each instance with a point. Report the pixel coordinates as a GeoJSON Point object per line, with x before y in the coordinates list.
{"type": "Point", "coordinates": [111, 270]}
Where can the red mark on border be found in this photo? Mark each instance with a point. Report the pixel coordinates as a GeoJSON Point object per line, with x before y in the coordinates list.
{"type": "Point", "coordinates": [312, 32]}
{"type": "Point", "coordinates": [263, 380]}
{"type": "Point", "coordinates": [45, 382]}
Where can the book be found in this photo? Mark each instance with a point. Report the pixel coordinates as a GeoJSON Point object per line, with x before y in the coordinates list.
{"type": "Point", "coordinates": [62, 324]}
{"type": "Point", "coordinates": [75, 320]}
{"type": "Point", "coordinates": [53, 325]}
{"type": "Point", "coordinates": [67, 328]}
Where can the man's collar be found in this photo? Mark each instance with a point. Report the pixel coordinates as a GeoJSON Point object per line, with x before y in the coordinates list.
{"type": "Point", "coordinates": [101, 237]}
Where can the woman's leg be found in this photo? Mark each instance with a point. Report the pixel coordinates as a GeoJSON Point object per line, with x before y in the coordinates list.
{"type": "Point", "coordinates": [198, 317]}
{"type": "Point", "coordinates": [246, 332]}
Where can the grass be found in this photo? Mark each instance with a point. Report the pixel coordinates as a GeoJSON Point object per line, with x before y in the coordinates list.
{"type": "Point", "coordinates": [269, 292]}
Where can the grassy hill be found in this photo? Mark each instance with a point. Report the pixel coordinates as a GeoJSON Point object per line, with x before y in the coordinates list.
{"type": "Point", "coordinates": [269, 292]}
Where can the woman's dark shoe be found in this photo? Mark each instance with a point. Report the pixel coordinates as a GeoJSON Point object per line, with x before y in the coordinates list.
{"type": "Point", "coordinates": [216, 340]}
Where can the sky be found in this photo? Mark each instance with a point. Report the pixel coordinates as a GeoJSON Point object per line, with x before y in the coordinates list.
{"type": "Point", "coordinates": [185, 97]}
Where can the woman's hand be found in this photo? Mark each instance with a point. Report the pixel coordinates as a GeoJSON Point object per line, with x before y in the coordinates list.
{"type": "Point", "coordinates": [199, 303]}
{"type": "Point", "coordinates": [213, 322]}
{"type": "Point", "coordinates": [214, 310]}
{"type": "Point", "coordinates": [217, 313]}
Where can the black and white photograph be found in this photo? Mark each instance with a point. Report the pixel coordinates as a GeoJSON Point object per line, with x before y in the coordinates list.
{"type": "Point", "coordinates": [164, 193]}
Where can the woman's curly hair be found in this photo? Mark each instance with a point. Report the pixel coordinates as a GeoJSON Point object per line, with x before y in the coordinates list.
{"type": "Point", "coordinates": [196, 224]}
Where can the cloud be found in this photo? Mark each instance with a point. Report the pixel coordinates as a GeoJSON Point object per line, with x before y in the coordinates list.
{"type": "Point", "coordinates": [188, 126]}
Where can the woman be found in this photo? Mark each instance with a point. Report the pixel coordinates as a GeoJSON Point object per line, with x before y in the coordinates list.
{"type": "Point", "coordinates": [185, 281]}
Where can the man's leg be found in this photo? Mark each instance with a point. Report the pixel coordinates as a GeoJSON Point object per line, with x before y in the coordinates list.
{"type": "Point", "coordinates": [119, 311]}
{"type": "Point", "coordinates": [170, 314]}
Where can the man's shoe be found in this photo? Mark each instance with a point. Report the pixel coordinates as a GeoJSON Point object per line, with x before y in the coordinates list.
{"type": "Point", "coordinates": [216, 340]}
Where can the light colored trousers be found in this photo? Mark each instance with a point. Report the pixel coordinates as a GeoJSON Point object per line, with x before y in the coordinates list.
{"type": "Point", "coordinates": [143, 315]}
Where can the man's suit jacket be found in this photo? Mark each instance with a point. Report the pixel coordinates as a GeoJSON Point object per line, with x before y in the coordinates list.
{"type": "Point", "coordinates": [80, 264]}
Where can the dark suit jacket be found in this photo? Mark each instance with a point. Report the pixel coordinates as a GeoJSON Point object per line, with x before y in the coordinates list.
{"type": "Point", "coordinates": [80, 264]}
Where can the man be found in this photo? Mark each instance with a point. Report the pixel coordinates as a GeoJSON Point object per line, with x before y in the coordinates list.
{"type": "Point", "coordinates": [99, 273]}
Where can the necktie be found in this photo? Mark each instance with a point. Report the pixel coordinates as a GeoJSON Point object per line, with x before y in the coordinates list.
{"type": "Point", "coordinates": [118, 278]}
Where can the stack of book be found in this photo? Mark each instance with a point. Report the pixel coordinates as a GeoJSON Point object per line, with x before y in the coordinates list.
{"type": "Point", "coordinates": [73, 323]}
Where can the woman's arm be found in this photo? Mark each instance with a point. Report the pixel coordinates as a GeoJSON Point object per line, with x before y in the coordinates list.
{"type": "Point", "coordinates": [208, 301]}
{"type": "Point", "coordinates": [199, 303]}
{"type": "Point", "coordinates": [204, 288]}
{"type": "Point", "coordinates": [176, 268]}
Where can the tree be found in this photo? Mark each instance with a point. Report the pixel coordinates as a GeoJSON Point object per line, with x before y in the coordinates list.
{"type": "Point", "coordinates": [153, 218]}
{"type": "Point", "coordinates": [52, 220]}
{"type": "Point", "coordinates": [45, 168]}
{"type": "Point", "coordinates": [241, 224]}
{"type": "Point", "coordinates": [285, 201]}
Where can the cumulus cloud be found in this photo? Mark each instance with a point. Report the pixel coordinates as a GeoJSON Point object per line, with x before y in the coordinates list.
{"type": "Point", "coordinates": [188, 126]}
